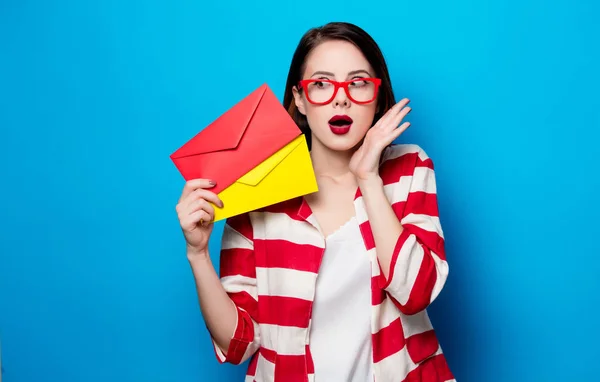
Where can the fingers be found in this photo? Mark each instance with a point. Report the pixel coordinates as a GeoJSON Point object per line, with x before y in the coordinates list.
{"type": "Point", "coordinates": [203, 194]}
{"type": "Point", "coordinates": [396, 133]}
{"type": "Point", "coordinates": [195, 206]}
{"type": "Point", "coordinates": [393, 113]}
{"type": "Point", "coordinates": [399, 117]}
{"type": "Point", "coordinates": [401, 104]}
{"type": "Point", "coordinates": [190, 222]}
{"type": "Point", "coordinates": [201, 204]}
{"type": "Point", "coordinates": [398, 107]}
{"type": "Point", "coordinates": [194, 184]}
{"type": "Point", "coordinates": [195, 210]}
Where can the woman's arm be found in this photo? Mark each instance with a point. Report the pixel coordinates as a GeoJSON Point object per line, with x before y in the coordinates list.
{"type": "Point", "coordinates": [229, 303]}
{"type": "Point", "coordinates": [385, 226]}
{"type": "Point", "coordinates": [407, 231]}
{"type": "Point", "coordinates": [218, 310]}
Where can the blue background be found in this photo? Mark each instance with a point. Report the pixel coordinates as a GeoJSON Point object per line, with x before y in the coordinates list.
{"type": "Point", "coordinates": [94, 96]}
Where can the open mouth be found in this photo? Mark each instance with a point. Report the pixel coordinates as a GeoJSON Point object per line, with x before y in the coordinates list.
{"type": "Point", "coordinates": [340, 121]}
{"type": "Point", "coordinates": [340, 124]}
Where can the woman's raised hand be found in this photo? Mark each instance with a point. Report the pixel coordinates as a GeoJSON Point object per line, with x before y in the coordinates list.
{"type": "Point", "coordinates": [196, 214]}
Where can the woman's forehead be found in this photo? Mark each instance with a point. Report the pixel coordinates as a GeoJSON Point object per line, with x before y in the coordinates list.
{"type": "Point", "coordinates": [337, 57]}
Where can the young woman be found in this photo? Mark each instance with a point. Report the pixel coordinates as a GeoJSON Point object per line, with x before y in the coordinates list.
{"type": "Point", "coordinates": [332, 286]}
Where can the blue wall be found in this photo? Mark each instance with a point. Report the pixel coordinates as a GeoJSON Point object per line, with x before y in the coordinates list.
{"type": "Point", "coordinates": [94, 283]}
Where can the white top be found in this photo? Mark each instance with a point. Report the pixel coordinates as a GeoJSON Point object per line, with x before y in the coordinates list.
{"type": "Point", "coordinates": [340, 337]}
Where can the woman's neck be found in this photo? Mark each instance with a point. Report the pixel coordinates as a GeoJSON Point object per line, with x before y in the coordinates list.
{"type": "Point", "coordinates": [330, 163]}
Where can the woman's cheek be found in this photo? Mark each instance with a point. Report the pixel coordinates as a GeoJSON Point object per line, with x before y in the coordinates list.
{"type": "Point", "coordinates": [362, 127]}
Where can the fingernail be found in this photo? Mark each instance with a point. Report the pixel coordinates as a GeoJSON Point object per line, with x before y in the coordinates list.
{"type": "Point", "coordinates": [212, 182]}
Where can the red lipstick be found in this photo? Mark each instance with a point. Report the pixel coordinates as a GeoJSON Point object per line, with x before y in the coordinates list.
{"type": "Point", "coordinates": [340, 124]}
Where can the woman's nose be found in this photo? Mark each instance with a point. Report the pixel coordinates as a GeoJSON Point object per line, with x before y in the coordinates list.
{"type": "Point", "coordinates": [341, 98]}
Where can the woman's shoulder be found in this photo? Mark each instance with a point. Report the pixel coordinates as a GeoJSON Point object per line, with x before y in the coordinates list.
{"type": "Point", "coordinates": [404, 152]}
{"type": "Point", "coordinates": [403, 159]}
{"type": "Point", "coordinates": [239, 224]}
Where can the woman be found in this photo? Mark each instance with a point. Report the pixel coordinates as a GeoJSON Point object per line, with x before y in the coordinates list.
{"type": "Point", "coordinates": [332, 286]}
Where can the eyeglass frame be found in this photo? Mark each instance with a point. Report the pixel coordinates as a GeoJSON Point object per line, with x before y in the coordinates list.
{"type": "Point", "coordinates": [302, 84]}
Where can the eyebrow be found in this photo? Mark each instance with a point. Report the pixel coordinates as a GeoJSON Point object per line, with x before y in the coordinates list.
{"type": "Point", "coordinates": [349, 73]}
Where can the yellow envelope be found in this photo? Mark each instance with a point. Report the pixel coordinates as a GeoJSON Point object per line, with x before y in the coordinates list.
{"type": "Point", "coordinates": [284, 175]}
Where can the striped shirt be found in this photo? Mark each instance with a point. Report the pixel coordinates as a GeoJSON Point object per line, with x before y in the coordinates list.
{"type": "Point", "coordinates": [269, 264]}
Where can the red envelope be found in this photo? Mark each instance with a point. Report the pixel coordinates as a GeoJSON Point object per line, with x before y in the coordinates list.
{"type": "Point", "coordinates": [237, 141]}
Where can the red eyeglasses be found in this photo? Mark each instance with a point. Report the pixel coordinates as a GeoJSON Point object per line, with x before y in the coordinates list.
{"type": "Point", "coordinates": [322, 91]}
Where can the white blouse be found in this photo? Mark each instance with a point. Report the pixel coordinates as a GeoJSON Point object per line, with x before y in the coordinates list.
{"type": "Point", "coordinates": [340, 337]}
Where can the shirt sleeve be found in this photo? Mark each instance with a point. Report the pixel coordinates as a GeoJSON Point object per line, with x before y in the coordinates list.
{"type": "Point", "coordinates": [418, 269]}
{"type": "Point", "coordinates": [238, 277]}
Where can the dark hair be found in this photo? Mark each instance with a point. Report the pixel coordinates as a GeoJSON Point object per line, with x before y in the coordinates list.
{"type": "Point", "coordinates": [337, 31]}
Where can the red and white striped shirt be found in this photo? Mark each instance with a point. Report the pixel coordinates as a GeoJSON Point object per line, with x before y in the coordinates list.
{"type": "Point", "coordinates": [269, 264]}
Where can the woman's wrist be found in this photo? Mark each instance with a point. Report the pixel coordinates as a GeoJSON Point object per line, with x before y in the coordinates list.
{"type": "Point", "coordinates": [370, 183]}
{"type": "Point", "coordinates": [194, 254]}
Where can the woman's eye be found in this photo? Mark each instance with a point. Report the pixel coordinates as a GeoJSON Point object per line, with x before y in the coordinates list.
{"type": "Point", "coordinates": [322, 84]}
{"type": "Point", "coordinates": [358, 83]}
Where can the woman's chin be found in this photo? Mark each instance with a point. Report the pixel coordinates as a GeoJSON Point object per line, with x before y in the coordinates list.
{"type": "Point", "coordinates": [341, 143]}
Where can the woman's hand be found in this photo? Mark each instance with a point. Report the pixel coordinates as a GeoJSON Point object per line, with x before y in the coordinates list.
{"type": "Point", "coordinates": [365, 161]}
{"type": "Point", "coordinates": [196, 214]}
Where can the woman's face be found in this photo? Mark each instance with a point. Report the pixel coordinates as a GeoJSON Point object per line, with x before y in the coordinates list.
{"type": "Point", "coordinates": [340, 61]}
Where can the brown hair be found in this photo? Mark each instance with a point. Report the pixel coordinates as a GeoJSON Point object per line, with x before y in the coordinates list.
{"type": "Point", "coordinates": [337, 31]}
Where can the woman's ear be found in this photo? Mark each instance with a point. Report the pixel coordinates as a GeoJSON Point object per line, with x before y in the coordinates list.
{"type": "Point", "coordinates": [299, 100]}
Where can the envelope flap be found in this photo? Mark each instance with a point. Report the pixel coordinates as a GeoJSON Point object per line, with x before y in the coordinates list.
{"type": "Point", "coordinates": [258, 173]}
{"type": "Point", "coordinates": [226, 131]}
